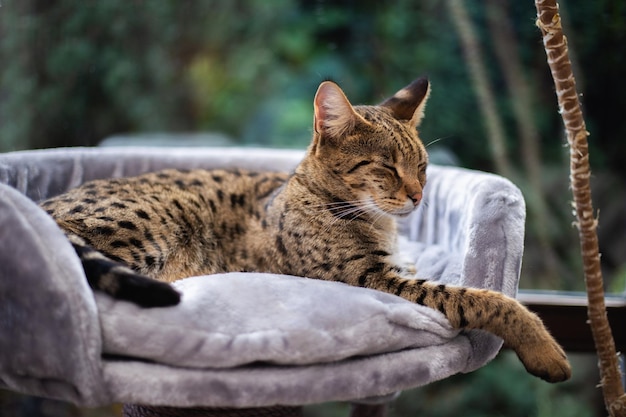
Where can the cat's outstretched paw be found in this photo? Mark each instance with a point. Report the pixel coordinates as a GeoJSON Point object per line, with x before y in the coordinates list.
{"type": "Point", "coordinates": [545, 360]}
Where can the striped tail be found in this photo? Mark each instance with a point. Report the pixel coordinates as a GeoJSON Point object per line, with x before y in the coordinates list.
{"type": "Point", "coordinates": [121, 282]}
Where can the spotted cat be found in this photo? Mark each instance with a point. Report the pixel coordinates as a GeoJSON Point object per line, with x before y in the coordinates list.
{"type": "Point", "coordinates": [334, 218]}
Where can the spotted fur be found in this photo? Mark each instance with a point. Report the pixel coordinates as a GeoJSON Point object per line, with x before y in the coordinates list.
{"type": "Point", "coordinates": [334, 218]}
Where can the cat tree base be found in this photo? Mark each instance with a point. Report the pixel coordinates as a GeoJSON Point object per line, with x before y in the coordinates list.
{"type": "Point", "coordinates": [134, 410]}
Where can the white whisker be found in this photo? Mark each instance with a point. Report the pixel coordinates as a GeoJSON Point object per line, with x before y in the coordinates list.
{"type": "Point", "coordinates": [338, 203]}
{"type": "Point", "coordinates": [351, 211]}
{"type": "Point", "coordinates": [437, 140]}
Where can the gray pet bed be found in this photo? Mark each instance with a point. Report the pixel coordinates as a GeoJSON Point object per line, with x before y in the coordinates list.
{"type": "Point", "coordinates": [239, 340]}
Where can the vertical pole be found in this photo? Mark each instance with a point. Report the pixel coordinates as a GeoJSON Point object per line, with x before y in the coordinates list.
{"type": "Point", "coordinates": [555, 44]}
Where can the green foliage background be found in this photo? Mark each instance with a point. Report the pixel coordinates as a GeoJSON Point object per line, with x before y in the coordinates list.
{"type": "Point", "coordinates": [73, 73]}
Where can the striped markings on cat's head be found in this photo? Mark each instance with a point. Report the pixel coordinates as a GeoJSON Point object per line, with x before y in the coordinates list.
{"type": "Point", "coordinates": [373, 153]}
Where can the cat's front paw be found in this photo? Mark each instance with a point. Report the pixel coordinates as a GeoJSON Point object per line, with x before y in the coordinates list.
{"type": "Point", "coordinates": [546, 360]}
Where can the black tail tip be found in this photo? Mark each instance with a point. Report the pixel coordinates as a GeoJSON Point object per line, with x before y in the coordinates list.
{"type": "Point", "coordinates": [163, 297]}
{"type": "Point", "coordinates": [149, 293]}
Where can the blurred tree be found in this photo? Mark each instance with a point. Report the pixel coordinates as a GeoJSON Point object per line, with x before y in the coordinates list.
{"type": "Point", "coordinates": [76, 74]}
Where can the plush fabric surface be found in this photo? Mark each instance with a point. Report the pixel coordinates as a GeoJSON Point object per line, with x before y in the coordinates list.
{"type": "Point", "coordinates": [239, 340]}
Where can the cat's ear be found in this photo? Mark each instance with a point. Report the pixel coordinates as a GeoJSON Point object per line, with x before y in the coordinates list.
{"type": "Point", "coordinates": [333, 115]}
{"type": "Point", "coordinates": [408, 104]}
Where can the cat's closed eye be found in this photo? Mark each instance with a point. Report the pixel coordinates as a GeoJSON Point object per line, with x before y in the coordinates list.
{"type": "Point", "coordinates": [359, 165]}
{"type": "Point", "coordinates": [393, 170]}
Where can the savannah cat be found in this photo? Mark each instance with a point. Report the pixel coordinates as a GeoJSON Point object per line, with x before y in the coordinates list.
{"type": "Point", "coordinates": [334, 218]}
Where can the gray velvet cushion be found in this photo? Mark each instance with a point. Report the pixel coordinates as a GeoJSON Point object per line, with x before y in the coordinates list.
{"type": "Point", "coordinates": [237, 339]}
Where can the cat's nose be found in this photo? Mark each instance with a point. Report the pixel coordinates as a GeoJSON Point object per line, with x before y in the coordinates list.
{"type": "Point", "coordinates": [416, 198]}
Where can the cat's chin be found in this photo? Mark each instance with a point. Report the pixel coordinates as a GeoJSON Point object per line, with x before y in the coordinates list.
{"type": "Point", "coordinates": [401, 213]}
{"type": "Point", "coordinates": [394, 212]}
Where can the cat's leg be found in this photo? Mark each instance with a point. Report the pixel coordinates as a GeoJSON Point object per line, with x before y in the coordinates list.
{"type": "Point", "coordinates": [471, 308]}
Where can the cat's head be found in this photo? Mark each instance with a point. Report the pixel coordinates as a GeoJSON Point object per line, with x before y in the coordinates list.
{"type": "Point", "coordinates": [372, 155]}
